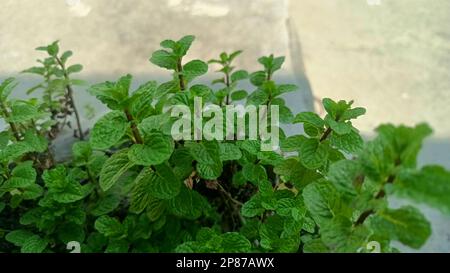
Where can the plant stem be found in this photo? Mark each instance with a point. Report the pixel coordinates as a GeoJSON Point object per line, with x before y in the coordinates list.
{"type": "Point", "coordinates": [11, 124]}
{"type": "Point", "coordinates": [379, 195]}
{"type": "Point", "coordinates": [180, 75]}
{"type": "Point", "coordinates": [364, 216]}
{"type": "Point", "coordinates": [326, 134]}
{"type": "Point", "coordinates": [70, 98]}
{"type": "Point", "coordinates": [227, 83]}
{"type": "Point", "coordinates": [134, 129]}
{"type": "Point", "coordinates": [229, 195]}
{"type": "Point", "coordinates": [328, 131]}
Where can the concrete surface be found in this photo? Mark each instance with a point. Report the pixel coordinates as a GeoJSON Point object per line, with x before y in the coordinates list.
{"type": "Point", "coordinates": [392, 58]}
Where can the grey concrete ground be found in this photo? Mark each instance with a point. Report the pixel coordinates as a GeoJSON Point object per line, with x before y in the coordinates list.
{"type": "Point", "coordinates": [392, 58]}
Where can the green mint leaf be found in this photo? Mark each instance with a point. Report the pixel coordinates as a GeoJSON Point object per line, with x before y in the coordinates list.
{"type": "Point", "coordinates": [109, 130]}
{"type": "Point", "coordinates": [344, 176]}
{"type": "Point", "coordinates": [284, 88]}
{"type": "Point", "coordinates": [108, 226]}
{"type": "Point", "coordinates": [239, 75]}
{"type": "Point", "coordinates": [106, 204]}
{"type": "Point", "coordinates": [353, 113]}
{"type": "Point", "coordinates": [233, 242]}
{"type": "Point", "coordinates": [322, 201]}
{"type": "Point", "coordinates": [258, 97]}
{"type": "Point", "coordinates": [53, 49]}
{"type": "Point", "coordinates": [18, 237]}
{"type": "Point", "coordinates": [404, 141]}
{"type": "Point", "coordinates": [234, 55]}
{"type": "Point", "coordinates": [252, 207]}
{"type": "Point", "coordinates": [313, 154]}
{"type": "Point", "coordinates": [254, 172]}
{"type": "Point", "coordinates": [6, 88]}
{"type": "Point", "coordinates": [164, 59]}
{"type": "Point", "coordinates": [200, 90]}
{"type": "Point", "coordinates": [229, 151]}
{"type": "Point", "coordinates": [113, 169]}
{"type": "Point", "coordinates": [292, 143]}
{"type": "Point", "coordinates": [188, 203]}
{"type": "Point", "coordinates": [81, 152]}
{"type": "Point", "coordinates": [34, 244]}
{"type": "Point", "coordinates": [406, 224]}
{"type": "Point", "coordinates": [156, 150]}
{"type": "Point", "coordinates": [65, 56]}
{"type": "Point", "coordinates": [257, 78]}
{"type": "Point", "coordinates": [239, 95]}
{"type": "Point", "coordinates": [340, 236]}
{"type": "Point", "coordinates": [349, 143]}
{"type": "Point", "coordinates": [184, 44]}
{"type": "Point", "coordinates": [315, 246]}
{"type": "Point", "coordinates": [340, 127]}
{"type": "Point", "coordinates": [430, 185]}
{"type": "Point", "coordinates": [310, 118]}
{"type": "Point", "coordinates": [22, 111]}
{"type": "Point", "coordinates": [291, 170]}
{"type": "Point", "coordinates": [194, 69]}
{"type": "Point", "coordinates": [161, 183]}
{"type": "Point", "coordinates": [74, 68]}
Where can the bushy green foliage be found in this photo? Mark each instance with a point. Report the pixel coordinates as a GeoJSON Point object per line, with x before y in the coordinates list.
{"type": "Point", "coordinates": [132, 188]}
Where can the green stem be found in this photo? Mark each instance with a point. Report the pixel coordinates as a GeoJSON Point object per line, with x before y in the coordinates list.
{"type": "Point", "coordinates": [180, 75]}
{"type": "Point", "coordinates": [11, 124]}
{"type": "Point", "coordinates": [227, 83]}
{"type": "Point", "coordinates": [70, 97]}
{"type": "Point", "coordinates": [137, 136]}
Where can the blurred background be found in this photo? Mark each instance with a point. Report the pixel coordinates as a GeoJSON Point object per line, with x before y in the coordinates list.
{"type": "Point", "coordinates": [389, 56]}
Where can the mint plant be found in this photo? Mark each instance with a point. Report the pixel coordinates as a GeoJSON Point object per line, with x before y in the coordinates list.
{"type": "Point", "coordinates": [57, 88]}
{"type": "Point", "coordinates": [134, 186]}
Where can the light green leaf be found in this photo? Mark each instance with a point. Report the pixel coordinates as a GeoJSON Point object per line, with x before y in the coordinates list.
{"type": "Point", "coordinates": [257, 78]}
{"type": "Point", "coordinates": [292, 143]}
{"type": "Point", "coordinates": [34, 244]}
{"type": "Point", "coordinates": [114, 168]}
{"type": "Point", "coordinates": [313, 154]}
{"type": "Point", "coordinates": [188, 203]}
{"type": "Point", "coordinates": [343, 174]}
{"type": "Point", "coordinates": [161, 183]}
{"type": "Point", "coordinates": [164, 59]}
{"type": "Point", "coordinates": [157, 149]}
{"type": "Point", "coordinates": [339, 127]}
{"type": "Point", "coordinates": [6, 88]}
{"type": "Point", "coordinates": [284, 88]}
{"type": "Point", "coordinates": [108, 226]}
{"type": "Point", "coordinates": [340, 236]}
{"type": "Point", "coordinates": [194, 69]}
{"type": "Point", "coordinates": [252, 207]}
{"type": "Point", "coordinates": [184, 44]}
{"type": "Point", "coordinates": [310, 118]}
{"type": "Point", "coordinates": [23, 112]}
{"type": "Point", "coordinates": [74, 68]}
{"type": "Point", "coordinates": [291, 170]}
{"type": "Point", "coordinates": [109, 130]}
{"type": "Point", "coordinates": [18, 237]}
{"type": "Point", "coordinates": [239, 75]}
{"type": "Point", "coordinates": [239, 95]}
{"type": "Point", "coordinates": [430, 185]}
{"type": "Point", "coordinates": [254, 172]}
{"type": "Point", "coordinates": [233, 242]}
{"type": "Point", "coordinates": [321, 200]}
{"type": "Point", "coordinates": [229, 151]}
{"type": "Point", "coordinates": [349, 143]}
{"type": "Point", "coordinates": [406, 224]}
